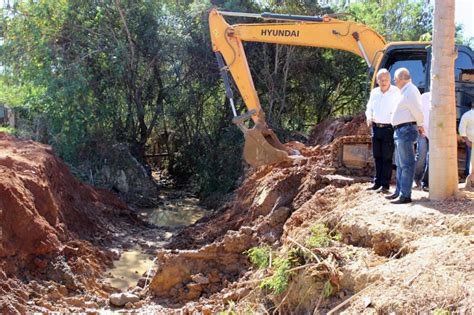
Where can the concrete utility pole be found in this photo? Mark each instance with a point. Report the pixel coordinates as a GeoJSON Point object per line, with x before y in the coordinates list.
{"type": "Point", "coordinates": [443, 141]}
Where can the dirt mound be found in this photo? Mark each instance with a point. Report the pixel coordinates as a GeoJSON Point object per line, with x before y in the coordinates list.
{"type": "Point", "coordinates": [43, 204]}
{"type": "Point", "coordinates": [330, 129]}
{"type": "Point", "coordinates": [288, 184]}
{"type": "Point", "coordinates": [43, 210]}
{"type": "Point", "coordinates": [213, 247]}
{"type": "Point", "coordinates": [381, 249]}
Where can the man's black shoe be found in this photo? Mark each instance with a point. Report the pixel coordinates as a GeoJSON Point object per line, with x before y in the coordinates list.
{"type": "Point", "coordinates": [384, 190]}
{"type": "Point", "coordinates": [392, 196]}
{"type": "Point", "coordinates": [425, 188]}
{"type": "Point", "coordinates": [375, 187]}
{"type": "Point", "coordinates": [402, 200]}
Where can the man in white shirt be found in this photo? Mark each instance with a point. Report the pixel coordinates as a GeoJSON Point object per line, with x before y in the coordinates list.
{"type": "Point", "coordinates": [407, 121]}
{"type": "Point", "coordinates": [466, 130]}
{"type": "Point", "coordinates": [422, 147]}
{"type": "Point", "coordinates": [380, 106]}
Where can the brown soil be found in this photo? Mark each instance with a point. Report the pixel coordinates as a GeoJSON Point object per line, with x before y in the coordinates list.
{"type": "Point", "coordinates": [331, 129]}
{"type": "Point", "coordinates": [384, 248]}
{"type": "Point", "coordinates": [51, 227]}
{"type": "Point", "coordinates": [390, 258]}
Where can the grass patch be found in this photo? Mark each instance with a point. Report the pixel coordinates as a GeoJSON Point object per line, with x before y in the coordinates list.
{"type": "Point", "coordinates": [328, 289]}
{"type": "Point", "coordinates": [278, 282]}
{"type": "Point", "coordinates": [321, 237]}
{"type": "Point", "coordinates": [279, 268]}
{"type": "Point", "coordinates": [259, 256]}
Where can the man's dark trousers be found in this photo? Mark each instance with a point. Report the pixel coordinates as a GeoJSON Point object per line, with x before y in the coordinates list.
{"type": "Point", "coordinates": [382, 150]}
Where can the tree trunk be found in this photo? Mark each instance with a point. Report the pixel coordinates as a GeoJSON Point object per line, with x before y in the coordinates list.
{"type": "Point", "coordinates": [443, 144]}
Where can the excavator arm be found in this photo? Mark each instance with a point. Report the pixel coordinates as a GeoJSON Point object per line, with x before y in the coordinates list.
{"type": "Point", "coordinates": [262, 146]}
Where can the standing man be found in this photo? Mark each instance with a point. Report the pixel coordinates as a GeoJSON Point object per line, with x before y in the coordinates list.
{"type": "Point", "coordinates": [466, 130]}
{"type": "Point", "coordinates": [422, 147]}
{"type": "Point", "coordinates": [407, 121]}
{"type": "Point", "coordinates": [382, 102]}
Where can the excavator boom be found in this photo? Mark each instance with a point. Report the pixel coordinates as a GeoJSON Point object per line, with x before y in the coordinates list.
{"type": "Point", "coordinates": [325, 32]}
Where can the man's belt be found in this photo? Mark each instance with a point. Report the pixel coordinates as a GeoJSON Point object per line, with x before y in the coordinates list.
{"type": "Point", "coordinates": [404, 124]}
{"type": "Point", "coordinates": [382, 125]}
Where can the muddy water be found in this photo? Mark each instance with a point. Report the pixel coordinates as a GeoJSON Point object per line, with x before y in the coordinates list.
{"type": "Point", "coordinates": [174, 212]}
{"type": "Point", "coordinates": [129, 268]}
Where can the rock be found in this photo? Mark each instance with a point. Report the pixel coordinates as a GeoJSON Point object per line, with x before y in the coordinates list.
{"type": "Point", "coordinates": [195, 291]}
{"type": "Point", "coordinates": [74, 301]}
{"type": "Point", "coordinates": [115, 253]}
{"type": "Point", "coordinates": [237, 294]}
{"type": "Point", "coordinates": [120, 299]}
{"type": "Point", "coordinates": [63, 290]}
{"type": "Point", "coordinates": [101, 302]}
{"type": "Point", "coordinates": [200, 279]}
{"type": "Point", "coordinates": [53, 295]}
{"type": "Point", "coordinates": [122, 172]}
{"type": "Point", "coordinates": [91, 304]}
{"type": "Point", "coordinates": [45, 304]}
{"type": "Point", "coordinates": [214, 276]}
{"type": "Point", "coordinates": [206, 309]}
{"type": "Point", "coordinates": [246, 230]}
{"type": "Point", "coordinates": [136, 290]}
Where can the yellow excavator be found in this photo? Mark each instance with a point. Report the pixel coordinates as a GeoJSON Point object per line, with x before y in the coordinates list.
{"type": "Point", "coordinates": [261, 144]}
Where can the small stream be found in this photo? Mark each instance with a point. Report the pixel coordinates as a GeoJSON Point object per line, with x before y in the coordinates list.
{"type": "Point", "coordinates": [175, 209]}
{"type": "Point", "coordinates": [174, 212]}
{"type": "Point", "coordinates": [133, 263]}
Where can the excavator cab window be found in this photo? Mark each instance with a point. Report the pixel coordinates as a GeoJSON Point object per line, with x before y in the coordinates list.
{"type": "Point", "coordinates": [462, 63]}
{"type": "Point", "coordinates": [464, 76]}
{"type": "Point", "coordinates": [415, 62]}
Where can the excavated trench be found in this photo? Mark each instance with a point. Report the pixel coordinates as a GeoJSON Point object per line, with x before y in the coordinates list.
{"type": "Point", "coordinates": [174, 209]}
{"type": "Point", "coordinates": [389, 259]}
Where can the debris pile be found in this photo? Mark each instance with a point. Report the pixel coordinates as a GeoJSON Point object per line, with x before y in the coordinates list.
{"type": "Point", "coordinates": [51, 225]}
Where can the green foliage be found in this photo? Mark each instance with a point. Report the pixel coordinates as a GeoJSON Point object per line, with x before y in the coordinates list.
{"type": "Point", "coordinates": [337, 236]}
{"type": "Point", "coordinates": [9, 130]}
{"type": "Point", "coordinates": [328, 289]}
{"type": "Point", "coordinates": [441, 311]}
{"type": "Point", "coordinates": [259, 256]}
{"type": "Point", "coordinates": [280, 269]}
{"type": "Point", "coordinates": [321, 237]}
{"type": "Point", "coordinates": [279, 280]}
{"type": "Point", "coordinates": [397, 20]}
{"type": "Point", "coordinates": [92, 73]}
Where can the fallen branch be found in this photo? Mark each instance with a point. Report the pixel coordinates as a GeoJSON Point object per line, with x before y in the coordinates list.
{"type": "Point", "coordinates": [409, 282]}
{"type": "Point", "coordinates": [350, 299]}
{"type": "Point", "coordinates": [305, 248]}
{"type": "Point", "coordinates": [283, 300]}
{"type": "Point", "coordinates": [319, 302]}
{"type": "Point", "coordinates": [301, 267]}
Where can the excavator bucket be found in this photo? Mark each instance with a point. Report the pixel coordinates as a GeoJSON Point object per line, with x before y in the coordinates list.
{"type": "Point", "coordinates": [258, 149]}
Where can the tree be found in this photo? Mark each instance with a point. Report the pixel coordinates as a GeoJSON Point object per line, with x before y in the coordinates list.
{"type": "Point", "coordinates": [443, 145]}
